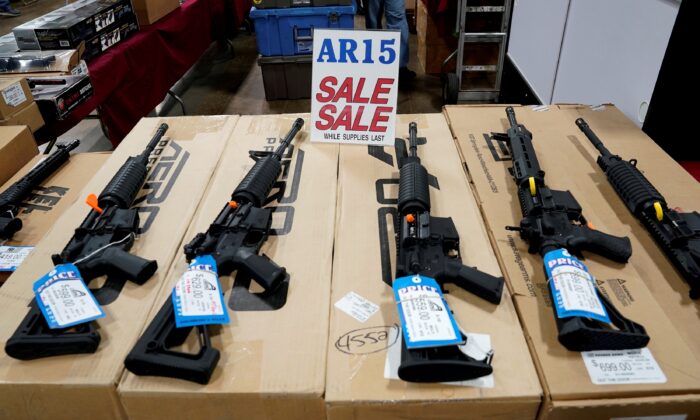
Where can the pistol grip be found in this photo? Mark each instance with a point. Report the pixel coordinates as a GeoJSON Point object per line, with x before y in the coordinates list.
{"type": "Point", "coordinates": [483, 285]}
{"type": "Point", "coordinates": [615, 248]}
{"type": "Point", "coordinates": [116, 262]}
{"type": "Point", "coordinates": [264, 271]}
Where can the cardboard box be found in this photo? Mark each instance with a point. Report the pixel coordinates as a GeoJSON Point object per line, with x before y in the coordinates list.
{"type": "Point", "coordinates": [17, 147]}
{"type": "Point", "coordinates": [57, 96]}
{"type": "Point", "coordinates": [12, 60]}
{"type": "Point", "coordinates": [622, 137]}
{"type": "Point", "coordinates": [85, 386]}
{"type": "Point", "coordinates": [40, 210]}
{"type": "Point", "coordinates": [30, 116]}
{"type": "Point", "coordinates": [569, 390]}
{"type": "Point", "coordinates": [67, 27]}
{"type": "Point", "coordinates": [434, 45]}
{"type": "Point", "coordinates": [14, 97]}
{"type": "Point", "coordinates": [151, 11]}
{"type": "Point", "coordinates": [272, 362]}
{"type": "Point", "coordinates": [356, 386]}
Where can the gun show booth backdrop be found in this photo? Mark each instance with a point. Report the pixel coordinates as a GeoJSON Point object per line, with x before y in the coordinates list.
{"type": "Point", "coordinates": [85, 385]}
{"type": "Point", "coordinates": [273, 353]}
{"type": "Point", "coordinates": [364, 329]}
{"type": "Point", "coordinates": [49, 200]}
{"type": "Point", "coordinates": [661, 380]}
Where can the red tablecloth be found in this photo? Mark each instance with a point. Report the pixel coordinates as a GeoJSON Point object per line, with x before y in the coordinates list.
{"type": "Point", "coordinates": [131, 78]}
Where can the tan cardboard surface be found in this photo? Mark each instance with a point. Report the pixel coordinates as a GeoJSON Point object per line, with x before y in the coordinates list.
{"type": "Point", "coordinates": [15, 95]}
{"type": "Point", "coordinates": [150, 11]}
{"type": "Point", "coordinates": [47, 203]}
{"type": "Point", "coordinates": [72, 386]}
{"type": "Point", "coordinates": [272, 362]}
{"type": "Point", "coordinates": [356, 387]}
{"type": "Point", "coordinates": [563, 373]}
{"type": "Point", "coordinates": [29, 116]}
{"type": "Point", "coordinates": [17, 147]}
{"type": "Point", "coordinates": [679, 188]}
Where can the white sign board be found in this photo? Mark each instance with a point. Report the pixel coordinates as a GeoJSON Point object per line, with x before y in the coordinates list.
{"type": "Point", "coordinates": [354, 86]}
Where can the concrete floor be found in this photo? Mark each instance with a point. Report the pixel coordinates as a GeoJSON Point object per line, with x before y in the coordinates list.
{"type": "Point", "coordinates": [222, 83]}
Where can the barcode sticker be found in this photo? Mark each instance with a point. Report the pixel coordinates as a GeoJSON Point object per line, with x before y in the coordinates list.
{"type": "Point", "coordinates": [356, 306]}
{"type": "Point", "coordinates": [12, 256]}
{"type": "Point", "coordinates": [14, 95]}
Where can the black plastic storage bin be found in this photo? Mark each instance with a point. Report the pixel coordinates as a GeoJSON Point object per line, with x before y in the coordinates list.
{"type": "Point", "coordinates": [286, 77]}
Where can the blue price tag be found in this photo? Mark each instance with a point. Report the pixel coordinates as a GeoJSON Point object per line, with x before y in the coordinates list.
{"type": "Point", "coordinates": [573, 287]}
{"type": "Point", "coordinates": [426, 320]}
{"type": "Point", "coordinates": [64, 299]}
{"type": "Point", "coordinates": [197, 296]}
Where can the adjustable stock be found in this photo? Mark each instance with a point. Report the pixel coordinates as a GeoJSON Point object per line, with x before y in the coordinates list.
{"type": "Point", "coordinates": [33, 339]}
{"type": "Point", "coordinates": [440, 364]}
{"type": "Point", "coordinates": [582, 334]}
{"type": "Point", "coordinates": [152, 354]}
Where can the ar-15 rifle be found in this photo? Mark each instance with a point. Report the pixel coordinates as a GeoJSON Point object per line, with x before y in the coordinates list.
{"type": "Point", "coordinates": [100, 246]}
{"type": "Point", "coordinates": [553, 220]}
{"type": "Point", "coordinates": [429, 246]}
{"type": "Point", "coordinates": [678, 234]}
{"type": "Point", "coordinates": [11, 198]}
{"type": "Point", "coordinates": [233, 240]}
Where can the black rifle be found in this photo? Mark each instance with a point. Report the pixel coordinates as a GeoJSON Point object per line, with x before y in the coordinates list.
{"type": "Point", "coordinates": [99, 247]}
{"type": "Point", "coordinates": [429, 246]}
{"type": "Point", "coordinates": [553, 220]}
{"type": "Point", "coordinates": [11, 198]}
{"type": "Point", "coordinates": [678, 234]}
{"type": "Point", "coordinates": [233, 240]}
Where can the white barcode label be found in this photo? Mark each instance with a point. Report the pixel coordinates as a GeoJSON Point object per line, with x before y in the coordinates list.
{"type": "Point", "coordinates": [12, 256]}
{"type": "Point", "coordinates": [79, 70]}
{"type": "Point", "coordinates": [356, 306]}
{"type": "Point", "coordinates": [14, 95]}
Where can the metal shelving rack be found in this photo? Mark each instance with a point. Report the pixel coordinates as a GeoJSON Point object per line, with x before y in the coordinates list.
{"type": "Point", "coordinates": [476, 81]}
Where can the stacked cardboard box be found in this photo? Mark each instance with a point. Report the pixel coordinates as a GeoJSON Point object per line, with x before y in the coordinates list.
{"type": "Point", "coordinates": [85, 385]}
{"type": "Point", "coordinates": [360, 346]}
{"type": "Point", "coordinates": [273, 361]}
{"type": "Point", "coordinates": [575, 389]}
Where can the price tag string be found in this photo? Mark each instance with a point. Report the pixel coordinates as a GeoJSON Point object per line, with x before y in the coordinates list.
{"type": "Point", "coordinates": [92, 254]}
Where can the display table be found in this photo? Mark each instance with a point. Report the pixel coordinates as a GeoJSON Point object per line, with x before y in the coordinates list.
{"type": "Point", "coordinates": [133, 77]}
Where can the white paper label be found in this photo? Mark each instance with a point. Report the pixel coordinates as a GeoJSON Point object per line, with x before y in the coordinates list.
{"type": "Point", "coordinates": [671, 417]}
{"type": "Point", "coordinates": [356, 306]}
{"type": "Point", "coordinates": [425, 317]}
{"type": "Point", "coordinates": [79, 70]}
{"type": "Point", "coordinates": [577, 290]}
{"type": "Point", "coordinates": [608, 367]}
{"type": "Point", "coordinates": [12, 256]}
{"type": "Point", "coordinates": [478, 346]}
{"type": "Point", "coordinates": [64, 43]}
{"type": "Point", "coordinates": [199, 293]}
{"type": "Point", "coordinates": [14, 95]}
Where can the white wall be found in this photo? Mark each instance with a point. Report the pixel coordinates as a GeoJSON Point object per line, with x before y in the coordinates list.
{"type": "Point", "coordinates": [611, 50]}
{"type": "Point", "coordinates": [536, 33]}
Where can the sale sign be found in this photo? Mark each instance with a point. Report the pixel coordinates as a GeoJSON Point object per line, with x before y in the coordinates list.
{"type": "Point", "coordinates": [354, 86]}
